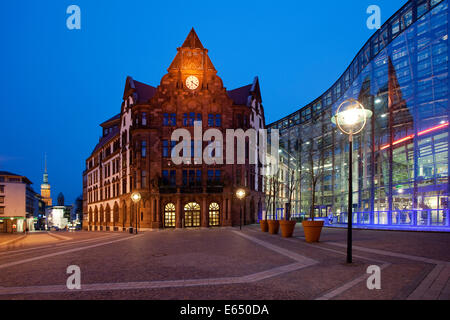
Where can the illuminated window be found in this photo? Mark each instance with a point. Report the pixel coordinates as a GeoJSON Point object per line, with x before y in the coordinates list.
{"type": "Point", "coordinates": [214, 215]}
{"type": "Point", "coordinates": [192, 215]}
{"type": "Point", "coordinates": [169, 215]}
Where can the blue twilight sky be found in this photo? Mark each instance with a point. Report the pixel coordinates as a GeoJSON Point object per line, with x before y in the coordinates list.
{"type": "Point", "coordinates": [58, 85]}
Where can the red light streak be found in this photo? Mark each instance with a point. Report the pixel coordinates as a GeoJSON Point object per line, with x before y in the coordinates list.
{"type": "Point", "coordinates": [421, 133]}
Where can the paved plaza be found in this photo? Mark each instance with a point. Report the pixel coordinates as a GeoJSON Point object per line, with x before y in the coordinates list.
{"type": "Point", "coordinates": [224, 264]}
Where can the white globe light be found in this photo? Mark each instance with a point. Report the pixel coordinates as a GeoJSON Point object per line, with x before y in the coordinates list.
{"type": "Point", "coordinates": [136, 197]}
{"type": "Point", "coordinates": [351, 117]}
{"type": "Point", "coordinates": [240, 194]}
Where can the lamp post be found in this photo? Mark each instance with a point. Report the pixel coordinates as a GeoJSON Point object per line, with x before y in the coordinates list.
{"type": "Point", "coordinates": [136, 198]}
{"type": "Point", "coordinates": [351, 118]}
{"type": "Point", "coordinates": [240, 194]}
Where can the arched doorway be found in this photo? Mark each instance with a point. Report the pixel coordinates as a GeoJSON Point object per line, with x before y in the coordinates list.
{"type": "Point", "coordinates": [107, 216]}
{"type": "Point", "coordinates": [102, 217]}
{"type": "Point", "coordinates": [91, 218]}
{"type": "Point", "coordinates": [169, 215]}
{"type": "Point", "coordinates": [124, 215]}
{"type": "Point", "coordinates": [214, 215]}
{"type": "Point", "coordinates": [192, 215]}
{"type": "Point", "coordinates": [115, 216]}
{"type": "Point", "coordinates": [96, 220]}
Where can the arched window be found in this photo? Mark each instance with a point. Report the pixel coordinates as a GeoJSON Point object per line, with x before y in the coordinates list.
{"type": "Point", "coordinates": [192, 215]}
{"type": "Point", "coordinates": [91, 216]}
{"type": "Point", "coordinates": [169, 215]}
{"type": "Point", "coordinates": [214, 214]}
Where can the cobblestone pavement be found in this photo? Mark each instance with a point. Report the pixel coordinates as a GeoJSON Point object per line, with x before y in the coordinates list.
{"type": "Point", "coordinates": [225, 264]}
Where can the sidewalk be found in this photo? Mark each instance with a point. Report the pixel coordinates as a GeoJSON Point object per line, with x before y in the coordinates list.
{"type": "Point", "coordinates": [32, 239]}
{"type": "Point", "coordinates": [7, 238]}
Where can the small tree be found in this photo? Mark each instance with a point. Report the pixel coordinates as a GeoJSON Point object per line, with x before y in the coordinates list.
{"type": "Point", "coordinates": [314, 171]}
{"type": "Point", "coordinates": [269, 197]}
{"type": "Point", "coordinates": [291, 186]}
{"type": "Point", "coordinates": [273, 186]}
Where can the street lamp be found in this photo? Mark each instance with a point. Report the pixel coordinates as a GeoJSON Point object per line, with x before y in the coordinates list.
{"type": "Point", "coordinates": [136, 197]}
{"type": "Point", "coordinates": [240, 194]}
{"type": "Point", "coordinates": [351, 118]}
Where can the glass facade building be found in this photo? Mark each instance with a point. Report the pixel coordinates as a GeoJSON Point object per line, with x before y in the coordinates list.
{"type": "Point", "coordinates": [401, 159]}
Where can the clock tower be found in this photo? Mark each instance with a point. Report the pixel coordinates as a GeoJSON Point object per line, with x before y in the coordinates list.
{"type": "Point", "coordinates": [192, 68]}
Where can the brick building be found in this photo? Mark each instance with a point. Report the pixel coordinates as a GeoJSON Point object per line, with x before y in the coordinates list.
{"type": "Point", "coordinates": [134, 153]}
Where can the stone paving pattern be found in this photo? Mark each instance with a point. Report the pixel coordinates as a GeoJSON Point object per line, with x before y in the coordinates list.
{"type": "Point", "coordinates": [415, 265]}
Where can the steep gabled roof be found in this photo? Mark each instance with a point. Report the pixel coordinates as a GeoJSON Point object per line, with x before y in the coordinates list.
{"type": "Point", "coordinates": [240, 95]}
{"type": "Point", "coordinates": [243, 95]}
{"type": "Point", "coordinates": [110, 121]}
{"type": "Point", "coordinates": [105, 139]}
{"type": "Point", "coordinates": [192, 41]}
{"type": "Point", "coordinates": [143, 91]}
{"type": "Point", "coordinates": [194, 60]}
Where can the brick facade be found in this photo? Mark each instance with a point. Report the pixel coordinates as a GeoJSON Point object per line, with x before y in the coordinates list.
{"type": "Point", "coordinates": [134, 153]}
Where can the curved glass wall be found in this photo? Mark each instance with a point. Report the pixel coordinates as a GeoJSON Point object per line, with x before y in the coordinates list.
{"type": "Point", "coordinates": [401, 159]}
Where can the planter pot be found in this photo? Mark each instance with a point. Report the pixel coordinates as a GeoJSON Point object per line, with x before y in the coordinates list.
{"type": "Point", "coordinates": [287, 228]}
{"type": "Point", "coordinates": [264, 226]}
{"type": "Point", "coordinates": [312, 230]}
{"type": "Point", "coordinates": [274, 226]}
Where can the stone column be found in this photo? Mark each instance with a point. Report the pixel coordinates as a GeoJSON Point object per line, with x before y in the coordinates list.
{"type": "Point", "coordinates": [179, 214]}
{"type": "Point", "coordinates": [158, 210]}
{"type": "Point", "coordinates": [205, 209]}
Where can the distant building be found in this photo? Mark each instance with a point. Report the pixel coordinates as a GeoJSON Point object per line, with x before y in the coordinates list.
{"type": "Point", "coordinates": [18, 203]}
{"type": "Point", "coordinates": [60, 199]}
{"type": "Point", "coordinates": [45, 188]}
{"type": "Point", "coordinates": [39, 217]}
{"type": "Point", "coordinates": [59, 216]}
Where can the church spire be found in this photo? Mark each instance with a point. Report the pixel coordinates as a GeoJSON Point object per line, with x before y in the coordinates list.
{"type": "Point", "coordinates": [45, 169]}
{"type": "Point", "coordinates": [45, 186]}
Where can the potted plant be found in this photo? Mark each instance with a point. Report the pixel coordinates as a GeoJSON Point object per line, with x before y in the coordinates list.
{"type": "Point", "coordinates": [274, 183]}
{"type": "Point", "coordinates": [274, 226]}
{"type": "Point", "coordinates": [263, 222]}
{"type": "Point", "coordinates": [287, 225]}
{"type": "Point", "coordinates": [313, 228]}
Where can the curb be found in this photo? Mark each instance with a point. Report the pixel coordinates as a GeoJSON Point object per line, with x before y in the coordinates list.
{"type": "Point", "coordinates": [12, 241]}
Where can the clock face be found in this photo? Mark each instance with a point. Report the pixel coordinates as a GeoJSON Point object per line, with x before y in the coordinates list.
{"type": "Point", "coordinates": [192, 82]}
